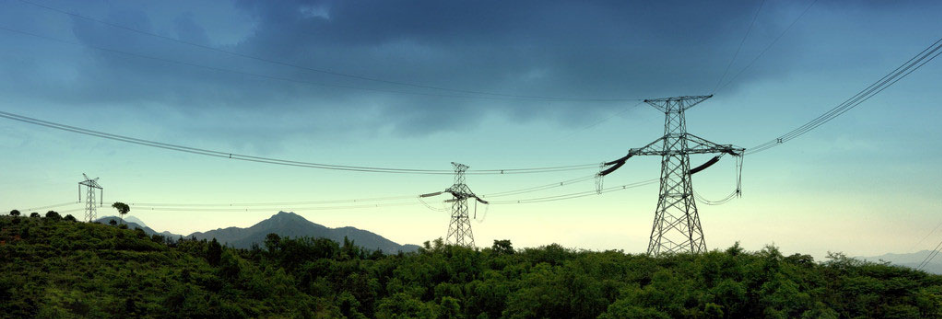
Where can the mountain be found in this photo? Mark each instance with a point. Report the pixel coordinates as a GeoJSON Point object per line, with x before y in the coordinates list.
{"type": "Point", "coordinates": [287, 224]}
{"type": "Point", "coordinates": [910, 260]}
{"type": "Point", "coordinates": [136, 223]}
{"type": "Point", "coordinates": [132, 219]}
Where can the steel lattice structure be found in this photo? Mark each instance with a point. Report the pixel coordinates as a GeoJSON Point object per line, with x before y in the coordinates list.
{"type": "Point", "coordinates": [676, 226]}
{"type": "Point", "coordinates": [91, 211]}
{"type": "Point", "coordinates": [459, 228]}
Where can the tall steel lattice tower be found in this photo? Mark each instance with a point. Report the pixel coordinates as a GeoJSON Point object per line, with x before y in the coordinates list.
{"type": "Point", "coordinates": [91, 212]}
{"type": "Point", "coordinates": [676, 221]}
{"type": "Point", "coordinates": [459, 229]}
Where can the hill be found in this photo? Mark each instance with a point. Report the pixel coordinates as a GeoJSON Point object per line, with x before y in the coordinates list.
{"type": "Point", "coordinates": [912, 260]}
{"type": "Point", "coordinates": [136, 223]}
{"type": "Point", "coordinates": [55, 268]}
{"type": "Point", "coordinates": [134, 219]}
{"type": "Point", "coordinates": [287, 224]}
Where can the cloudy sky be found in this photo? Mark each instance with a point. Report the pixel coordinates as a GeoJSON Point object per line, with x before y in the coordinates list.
{"type": "Point", "coordinates": [494, 85]}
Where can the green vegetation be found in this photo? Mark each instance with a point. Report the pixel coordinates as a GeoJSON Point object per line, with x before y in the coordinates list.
{"type": "Point", "coordinates": [122, 208]}
{"type": "Point", "coordinates": [58, 268]}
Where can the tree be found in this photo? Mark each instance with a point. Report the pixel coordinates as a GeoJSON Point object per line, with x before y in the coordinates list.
{"type": "Point", "coordinates": [112, 222]}
{"type": "Point", "coordinates": [503, 247]}
{"type": "Point", "coordinates": [214, 253]}
{"type": "Point", "coordinates": [53, 215]}
{"type": "Point", "coordinates": [122, 208]}
{"type": "Point", "coordinates": [70, 218]}
{"type": "Point", "coordinates": [14, 213]}
{"type": "Point", "coordinates": [34, 215]}
{"type": "Point", "coordinates": [271, 242]}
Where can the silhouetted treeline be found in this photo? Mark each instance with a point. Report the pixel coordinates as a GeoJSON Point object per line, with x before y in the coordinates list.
{"type": "Point", "coordinates": [59, 268]}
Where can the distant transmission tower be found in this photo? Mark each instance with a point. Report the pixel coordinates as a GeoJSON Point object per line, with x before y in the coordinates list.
{"type": "Point", "coordinates": [459, 229]}
{"type": "Point", "coordinates": [676, 222]}
{"type": "Point", "coordinates": [91, 212]}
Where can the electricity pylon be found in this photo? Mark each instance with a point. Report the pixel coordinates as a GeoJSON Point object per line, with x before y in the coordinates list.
{"type": "Point", "coordinates": [91, 212]}
{"type": "Point", "coordinates": [676, 222]}
{"type": "Point", "coordinates": [459, 229]}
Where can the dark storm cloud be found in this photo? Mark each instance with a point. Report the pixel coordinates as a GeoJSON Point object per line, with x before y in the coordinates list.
{"type": "Point", "coordinates": [573, 49]}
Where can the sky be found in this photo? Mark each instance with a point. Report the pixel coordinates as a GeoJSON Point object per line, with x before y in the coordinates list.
{"type": "Point", "coordinates": [491, 84]}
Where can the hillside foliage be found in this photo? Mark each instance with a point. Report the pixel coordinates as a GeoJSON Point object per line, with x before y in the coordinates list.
{"type": "Point", "coordinates": [58, 268]}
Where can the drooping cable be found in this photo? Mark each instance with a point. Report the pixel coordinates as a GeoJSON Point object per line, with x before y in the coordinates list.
{"type": "Point", "coordinates": [427, 205]}
{"type": "Point", "coordinates": [767, 47]}
{"type": "Point", "coordinates": [737, 192]}
{"type": "Point", "coordinates": [578, 194]}
{"type": "Point", "coordinates": [741, 43]}
{"type": "Point", "coordinates": [930, 257]}
{"type": "Point", "coordinates": [271, 204]}
{"type": "Point", "coordinates": [927, 235]}
{"type": "Point", "coordinates": [275, 161]}
{"type": "Point", "coordinates": [904, 70]}
{"type": "Point", "coordinates": [246, 209]}
{"type": "Point", "coordinates": [603, 120]}
{"type": "Point", "coordinates": [486, 209]}
{"type": "Point", "coordinates": [539, 188]}
{"type": "Point", "coordinates": [52, 206]}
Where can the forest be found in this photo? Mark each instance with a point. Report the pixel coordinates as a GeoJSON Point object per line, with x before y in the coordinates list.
{"type": "Point", "coordinates": [57, 267]}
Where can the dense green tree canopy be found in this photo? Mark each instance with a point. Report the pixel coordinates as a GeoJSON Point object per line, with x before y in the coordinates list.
{"type": "Point", "coordinates": [52, 268]}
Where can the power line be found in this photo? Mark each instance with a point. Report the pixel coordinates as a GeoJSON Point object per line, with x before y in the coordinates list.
{"type": "Point", "coordinates": [72, 210]}
{"type": "Point", "coordinates": [577, 195]}
{"type": "Point", "coordinates": [541, 187]}
{"type": "Point", "coordinates": [274, 161]}
{"type": "Point", "coordinates": [317, 70]}
{"type": "Point", "coordinates": [930, 257]}
{"type": "Point", "coordinates": [927, 236]}
{"type": "Point", "coordinates": [170, 207]}
{"type": "Point", "coordinates": [241, 206]}
{"type": "Point", "coordinates": [737, 170]}
{"type": "Point", "coordinates": [270, 204]}
{"type": "Point", "coordinates": [904, 70]}
{"type": "Point", "coordinates": [741, 43]}
{"type": "Point", "coordinates": [219, 209]}
{"type": "Point", "coordinates": [623, 111]}
{"type": "Point", "coordinates": [52, 206]}
{"type": "Point", "coordinates": [767, 47]}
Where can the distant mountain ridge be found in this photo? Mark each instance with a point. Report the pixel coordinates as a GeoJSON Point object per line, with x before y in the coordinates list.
{"type": "Point", "coordinates": [911, 260]}
{"type": "Point", "coordinates": [136, 223]}
{"type": "Point", "coordinates": [293, 225]}
{"type": "Point", "coordinates": [132, 219]}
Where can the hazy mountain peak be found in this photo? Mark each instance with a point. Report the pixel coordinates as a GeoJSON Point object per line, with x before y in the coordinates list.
{"type": "Point", "coordinates": [132, 219]}
{"type": "Point", "coordinates": [912, 260]}
{"type": "Point", "coordinates": [284, 214]}
{"type": "Point", "coordinates": [294, 225]}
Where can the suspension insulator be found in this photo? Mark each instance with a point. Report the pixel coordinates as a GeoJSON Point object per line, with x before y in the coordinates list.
{"type": "Point", "coordinates": [611, 169]}
{"type": "Point", "coordinates": [620, 160]}
{"type": "Point", "coordinates": [705, 165]}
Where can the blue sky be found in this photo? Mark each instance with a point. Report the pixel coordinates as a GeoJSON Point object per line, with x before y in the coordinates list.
{"type": "Point", "coordinates": [865, 183]}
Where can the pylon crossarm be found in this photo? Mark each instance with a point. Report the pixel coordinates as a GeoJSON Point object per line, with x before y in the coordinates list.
{"type": "Point", "coordinates": [699, 145]}
{"type": "Point", "coordinates": [677, 104]}
{"type": "Point", "coordinates": [653, 148]}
